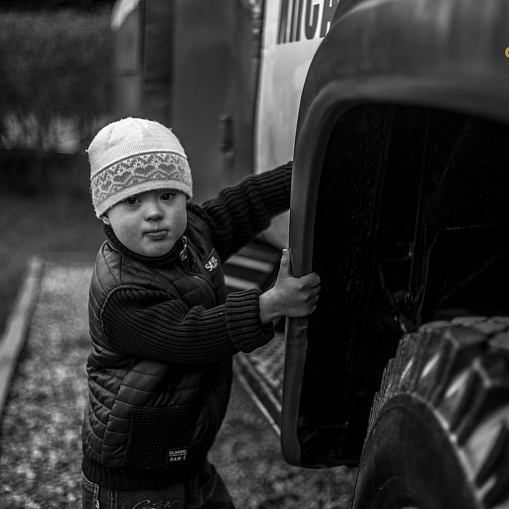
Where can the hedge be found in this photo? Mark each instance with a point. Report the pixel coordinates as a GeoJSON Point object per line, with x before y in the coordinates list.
{"type": "Point", "coordinates": [56, 69]}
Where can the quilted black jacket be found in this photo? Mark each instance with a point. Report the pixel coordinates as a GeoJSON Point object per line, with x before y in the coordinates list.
{"type": "Point", "coordinates": [163, 334]}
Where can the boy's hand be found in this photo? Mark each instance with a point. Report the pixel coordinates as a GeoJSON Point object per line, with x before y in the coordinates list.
{"type": "Point", "coordinates": [290, 296]}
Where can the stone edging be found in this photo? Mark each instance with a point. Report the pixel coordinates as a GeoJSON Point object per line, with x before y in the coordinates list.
{"type": "Point", "coordinates": [16, 327]}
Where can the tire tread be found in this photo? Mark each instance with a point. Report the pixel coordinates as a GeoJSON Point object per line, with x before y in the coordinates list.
{"type": "Point", "coordinates": [461, 370]}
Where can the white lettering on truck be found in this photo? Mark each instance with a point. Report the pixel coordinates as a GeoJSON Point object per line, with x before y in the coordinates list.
{"type": "Point", "coordinates": [295, 21]}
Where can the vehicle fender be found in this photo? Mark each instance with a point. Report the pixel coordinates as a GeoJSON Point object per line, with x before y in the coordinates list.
{"type": "Point", "coordinates": [447, 54]}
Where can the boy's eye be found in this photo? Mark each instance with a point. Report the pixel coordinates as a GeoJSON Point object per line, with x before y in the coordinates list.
{"type": "Point", "coordinates": [167, 196]}
{"type": "Point", "coordinates": [132, 200]}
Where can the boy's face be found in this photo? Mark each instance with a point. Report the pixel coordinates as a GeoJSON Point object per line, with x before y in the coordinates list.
{"type": "Point", "coordinates": [149, 223]}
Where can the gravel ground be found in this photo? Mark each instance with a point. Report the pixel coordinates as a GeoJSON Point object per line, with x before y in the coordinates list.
{"type": "Point", "coordinates": [40, 443]}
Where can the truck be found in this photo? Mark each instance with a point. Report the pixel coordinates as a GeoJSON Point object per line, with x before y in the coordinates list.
{"type": "Point", "coordinates": [395, 114]}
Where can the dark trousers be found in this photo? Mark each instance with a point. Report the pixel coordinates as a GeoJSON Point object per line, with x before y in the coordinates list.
{"type": "Point", "coordinates": [176, 496]}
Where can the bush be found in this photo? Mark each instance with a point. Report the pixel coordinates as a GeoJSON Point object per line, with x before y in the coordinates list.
{"type": "Point", "coordinates": [56, 76]}
{"type": "Point", "coordinates": [24, 5]}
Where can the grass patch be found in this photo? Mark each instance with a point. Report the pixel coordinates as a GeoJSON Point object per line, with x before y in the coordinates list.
{"type": "Point", "coordinates": [39, 225]}
{"type": "Point", "coordinates": [53, 66]}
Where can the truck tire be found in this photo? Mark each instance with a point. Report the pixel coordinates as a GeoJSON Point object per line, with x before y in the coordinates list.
{"type": "Point", "coordinates": [438, 434]}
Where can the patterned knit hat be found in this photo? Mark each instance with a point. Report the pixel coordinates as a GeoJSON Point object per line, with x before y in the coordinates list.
{"type": "Point", "coordinates": [132, 156]}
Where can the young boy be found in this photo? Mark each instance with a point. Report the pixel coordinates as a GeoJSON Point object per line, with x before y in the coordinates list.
{"type": "Point", "coordinates": [163, 329]}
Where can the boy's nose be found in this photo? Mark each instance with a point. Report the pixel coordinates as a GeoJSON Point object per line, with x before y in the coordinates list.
{"type": "Point", "coordinates": [153, 211]}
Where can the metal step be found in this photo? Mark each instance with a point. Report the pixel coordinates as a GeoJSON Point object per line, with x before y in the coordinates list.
{"type": "Point", "coordinates": [254, 266]}
{"type": "Point", "coordinates": [260, 373]}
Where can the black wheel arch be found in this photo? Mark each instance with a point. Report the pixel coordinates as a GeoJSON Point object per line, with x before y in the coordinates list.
{"type": "Point", "coordinates": [349, 72]}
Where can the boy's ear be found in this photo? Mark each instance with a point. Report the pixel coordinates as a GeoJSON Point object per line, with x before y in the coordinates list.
{"type": "Point", "coordinates": [106, 219]}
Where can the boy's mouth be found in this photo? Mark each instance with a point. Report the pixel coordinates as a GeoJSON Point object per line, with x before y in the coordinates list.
{"type": "Point", "coordinates": [156, 234]}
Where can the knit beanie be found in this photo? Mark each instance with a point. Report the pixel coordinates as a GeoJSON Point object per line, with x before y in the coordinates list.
{"type": "Point", "coordinates": [132, 156]}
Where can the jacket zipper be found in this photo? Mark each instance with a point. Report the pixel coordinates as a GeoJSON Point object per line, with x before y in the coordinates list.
{"type": "Point", "coordinates": [184, 258]}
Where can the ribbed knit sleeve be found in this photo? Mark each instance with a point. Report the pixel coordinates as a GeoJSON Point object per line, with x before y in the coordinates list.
{"type": "Point", "coordinates": [144, 323]}
{"type": "Point", "coordinates": [241, 212]}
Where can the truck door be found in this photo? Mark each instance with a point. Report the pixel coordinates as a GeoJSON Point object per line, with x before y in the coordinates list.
{"type": "Point", "coordinates": [174, 64]}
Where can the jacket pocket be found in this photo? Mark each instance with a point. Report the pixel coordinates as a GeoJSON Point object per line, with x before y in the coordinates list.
{"type": "Point", "coordinates": [159, 438]}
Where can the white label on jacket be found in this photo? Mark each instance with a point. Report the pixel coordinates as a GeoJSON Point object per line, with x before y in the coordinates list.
{"type": "Point", "coordinates": [212, 262]}
{"type": "Point", "coordinates": [177, 455]}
